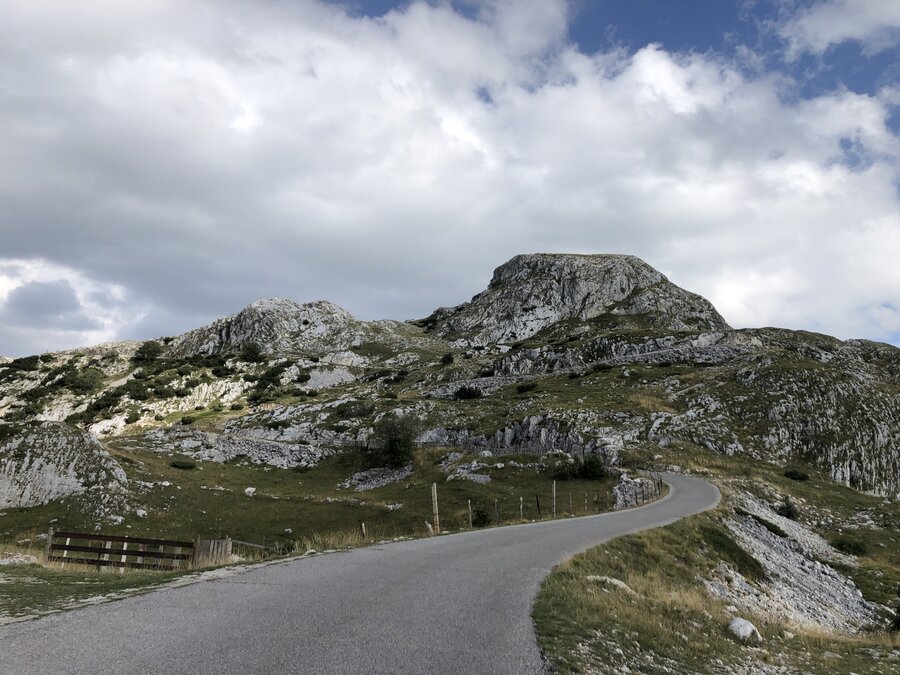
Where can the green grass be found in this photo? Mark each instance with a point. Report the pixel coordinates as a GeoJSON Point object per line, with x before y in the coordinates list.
{"type": "Point", "coordinates": [27, 590]}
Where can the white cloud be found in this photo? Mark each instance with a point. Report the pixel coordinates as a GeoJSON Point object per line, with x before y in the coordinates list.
{"type": "Point", "coordinates": [197, 160]}
{"type": "Point", "coordinates": [875, 24]}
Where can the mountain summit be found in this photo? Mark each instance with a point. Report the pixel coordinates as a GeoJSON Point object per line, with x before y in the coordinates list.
{"type": "Point", "coordinates": [530, 292]}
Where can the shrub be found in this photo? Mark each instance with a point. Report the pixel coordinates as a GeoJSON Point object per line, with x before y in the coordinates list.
{"type": "Point", "coordinates": [83, 381]}
{"type": "Point", "coordinates": [237, 406]}
{"type": "Point", "coordinates": [480, 517]}
{"type": "Point", "coordinates": [251, 352]}
{"type": "Point", "coordinates": [466, 392]}
{"type": "Point", "coordinates": [353, 409]}
{"type": "Point", "coordinates": [395, 436]}
{"type": "Point", "coordinates": [132, 417]}
{"type": "Point", "coordinates": [590, 468]}
{"type": "Point", "coordinates": [149, 351]}
{"type": "Point", "coordinates": [186, 464]}
{"type": "Point", "coordinates": [787, 509]}
{"type": "Point", "coordinates": [187, 419]}
{"type": "Point", "coordinates": [796, 474]}
{"type": "Point", "coordinates": [525, 387]}
{"type": "Point", "coordinates": [447, 358]}
{"type": "Point", "coordinates": [895, 622]}
{"type": "Point", "coordinates": [850, 546]}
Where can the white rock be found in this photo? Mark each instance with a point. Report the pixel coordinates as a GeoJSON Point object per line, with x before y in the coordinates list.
{"type": "Point", "coordinates": [744, 630]}
{"type": "Point", "coordinates": [250, 491]}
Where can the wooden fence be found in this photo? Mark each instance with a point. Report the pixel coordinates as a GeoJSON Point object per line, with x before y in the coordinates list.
{"type": "Point", "coordinates": [108, 550]}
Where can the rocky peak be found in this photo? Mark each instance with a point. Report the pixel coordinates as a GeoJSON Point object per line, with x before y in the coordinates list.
{"type": "Point", "coordinates": [277, 325]}
{"type": "Point", "coordinates": [531, 292]}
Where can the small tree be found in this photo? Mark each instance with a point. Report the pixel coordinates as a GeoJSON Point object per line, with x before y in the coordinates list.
{"type": "Point", "coordinates": [149, 351]}
{"type": "Point", "coordinates": [394, 436]}
{"type": "Point", "coordinates": [787, 509]}
{"type": "Point", "coordinates": [447, 358]}
{"type": "Point", "coordinates": [251, 352]}
{"type": "Point", "coordinates": [466, 392]}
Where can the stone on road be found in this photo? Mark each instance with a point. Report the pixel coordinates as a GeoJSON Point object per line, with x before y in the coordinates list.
{"type": "Point", "coordinates": [454, 604]}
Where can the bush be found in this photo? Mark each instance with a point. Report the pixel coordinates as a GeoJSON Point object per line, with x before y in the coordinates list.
{"type": "Point", "coordinates": [187, 419]}
{"type": "Point", "coordinates": [525, 387]}
{"type": "Point", "coordinates": [132, 417]}
{"type": "Point", "coordinates": [466, 392]}
{"type": "Point", "coordinates": [186, 464]}
{"type": "Point", "coordinates": [895, 622]}
{"type": "Point", "coordinates": [395, 436]}
{"type": "Point", "coordinates": [447, 358]}
{"type": "Point", "coordinates": [591, 468]}
{"type": "Point", "coordinates": [850, 546]}
{"type": "Point", "coordinates": [237, 406]}
{"type": "Point", "coordinates": [149, 351]}
{"type": "Point", "coordinates": [796, 474]}
{"type": "Point", "coordinates": [251, 352]}
{"type": "Point", "coordinates": [787, 509]}
{"type": "Point", "coordinates": [480, 517]}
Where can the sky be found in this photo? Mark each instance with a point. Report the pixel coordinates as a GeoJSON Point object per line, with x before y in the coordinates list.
{"type": "Point", "coordinates": [166, 162]}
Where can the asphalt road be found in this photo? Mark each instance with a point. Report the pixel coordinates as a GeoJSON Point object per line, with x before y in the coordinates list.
{"type": "Point", "coordinates": [454, 604]}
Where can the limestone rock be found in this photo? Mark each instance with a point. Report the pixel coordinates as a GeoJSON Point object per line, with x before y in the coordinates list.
{"type": "Point", "coordinates": [744, 630]}
{"type": "Point", "coordinates": [530, 292]}
{"type": "Point", "coordinates": [42, 462]}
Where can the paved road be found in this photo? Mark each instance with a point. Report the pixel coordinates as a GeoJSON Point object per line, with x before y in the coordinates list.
{"type": "Point", "coordinates": [454, 604]}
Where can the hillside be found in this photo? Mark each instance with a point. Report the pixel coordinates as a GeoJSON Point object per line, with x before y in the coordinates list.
{"type": "Point", "coordinates": [579, 353]}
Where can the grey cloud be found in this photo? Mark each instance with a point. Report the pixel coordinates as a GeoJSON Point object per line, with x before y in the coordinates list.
{"type": "Point", "coordinates": [307, 154]}
{"type": "Point", "coordinates": [45, 304]}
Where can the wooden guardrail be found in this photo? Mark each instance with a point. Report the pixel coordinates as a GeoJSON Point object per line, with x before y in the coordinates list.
{"type": "Point", "coordinates": [109, 550]}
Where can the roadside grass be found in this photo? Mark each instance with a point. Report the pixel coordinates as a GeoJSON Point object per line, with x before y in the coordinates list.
{"type": "Point", "coordinates": [672, 624]}
{"type": "Point", "coordinates": [30, 590]}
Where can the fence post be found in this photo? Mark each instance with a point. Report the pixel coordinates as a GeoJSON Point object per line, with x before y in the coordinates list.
{"type": "Point", "coordinates": [537, 499]}
{"type": "Point", "coordinates": [554, 499]}
{"type": "Point", "coordinates": [585, 502]}
{"type": "Point", "coordinates": [362, 526]}
{"type": "Point", "coordinates": [124, 557]}
{"type": "Point", "coordinates": [434, 508]}
{"type": "Point", "coordinates": [521, 508]}
{"type": "Point", "coordinates": [471, 525]}
{"type": "Point", "coordinates": [48, 549]}
{"type": "Point", "coordinates": [497, 509]}
{"type": "Point", "coordinates": [571, 508]}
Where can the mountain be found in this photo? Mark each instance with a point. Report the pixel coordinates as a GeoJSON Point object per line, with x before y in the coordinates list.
{"type": "Point", "coordinates": [277, 326]}
{"type": "Point", "coordinates": [531, 292]}
{"type": "Point", "coordinates": [598, 354]}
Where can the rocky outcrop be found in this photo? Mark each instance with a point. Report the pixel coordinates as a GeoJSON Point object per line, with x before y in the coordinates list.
{"type": "Point", "coordinates": [532, 292]}
{"type": "Point", "coordinates": [43, 462]}
{"type": "Point", "coordinates": [536, 434]}
{"type": "Point", "coordinates": [799, 587]}
{"type": "Point", "coordinates": [221, 448]}
{"type": "Point", "coordinates": [278, 326]}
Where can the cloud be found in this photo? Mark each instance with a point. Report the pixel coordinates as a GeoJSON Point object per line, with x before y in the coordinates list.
{"type": "Point", "coordinates": [875, 24]}
{"type": "Point", "coordinates": [189, 162]}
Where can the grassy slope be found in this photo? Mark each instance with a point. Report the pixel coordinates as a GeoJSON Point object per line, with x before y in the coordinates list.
{"type": "Point", "coordinates": [675, 624]}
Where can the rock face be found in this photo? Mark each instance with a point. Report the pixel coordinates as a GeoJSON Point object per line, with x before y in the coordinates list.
{"type": "Point", "coordinates": [47, 461]}
{"type": "Point", "coordinates": [277, 326]}
{"type": "Point", "coordinates": [531, 292]}
{"type": "Point", "coordinates": [222, 448]}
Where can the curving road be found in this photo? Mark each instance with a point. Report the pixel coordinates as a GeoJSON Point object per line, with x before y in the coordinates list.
{"type": "Point", "coordinates": [454, 604]}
